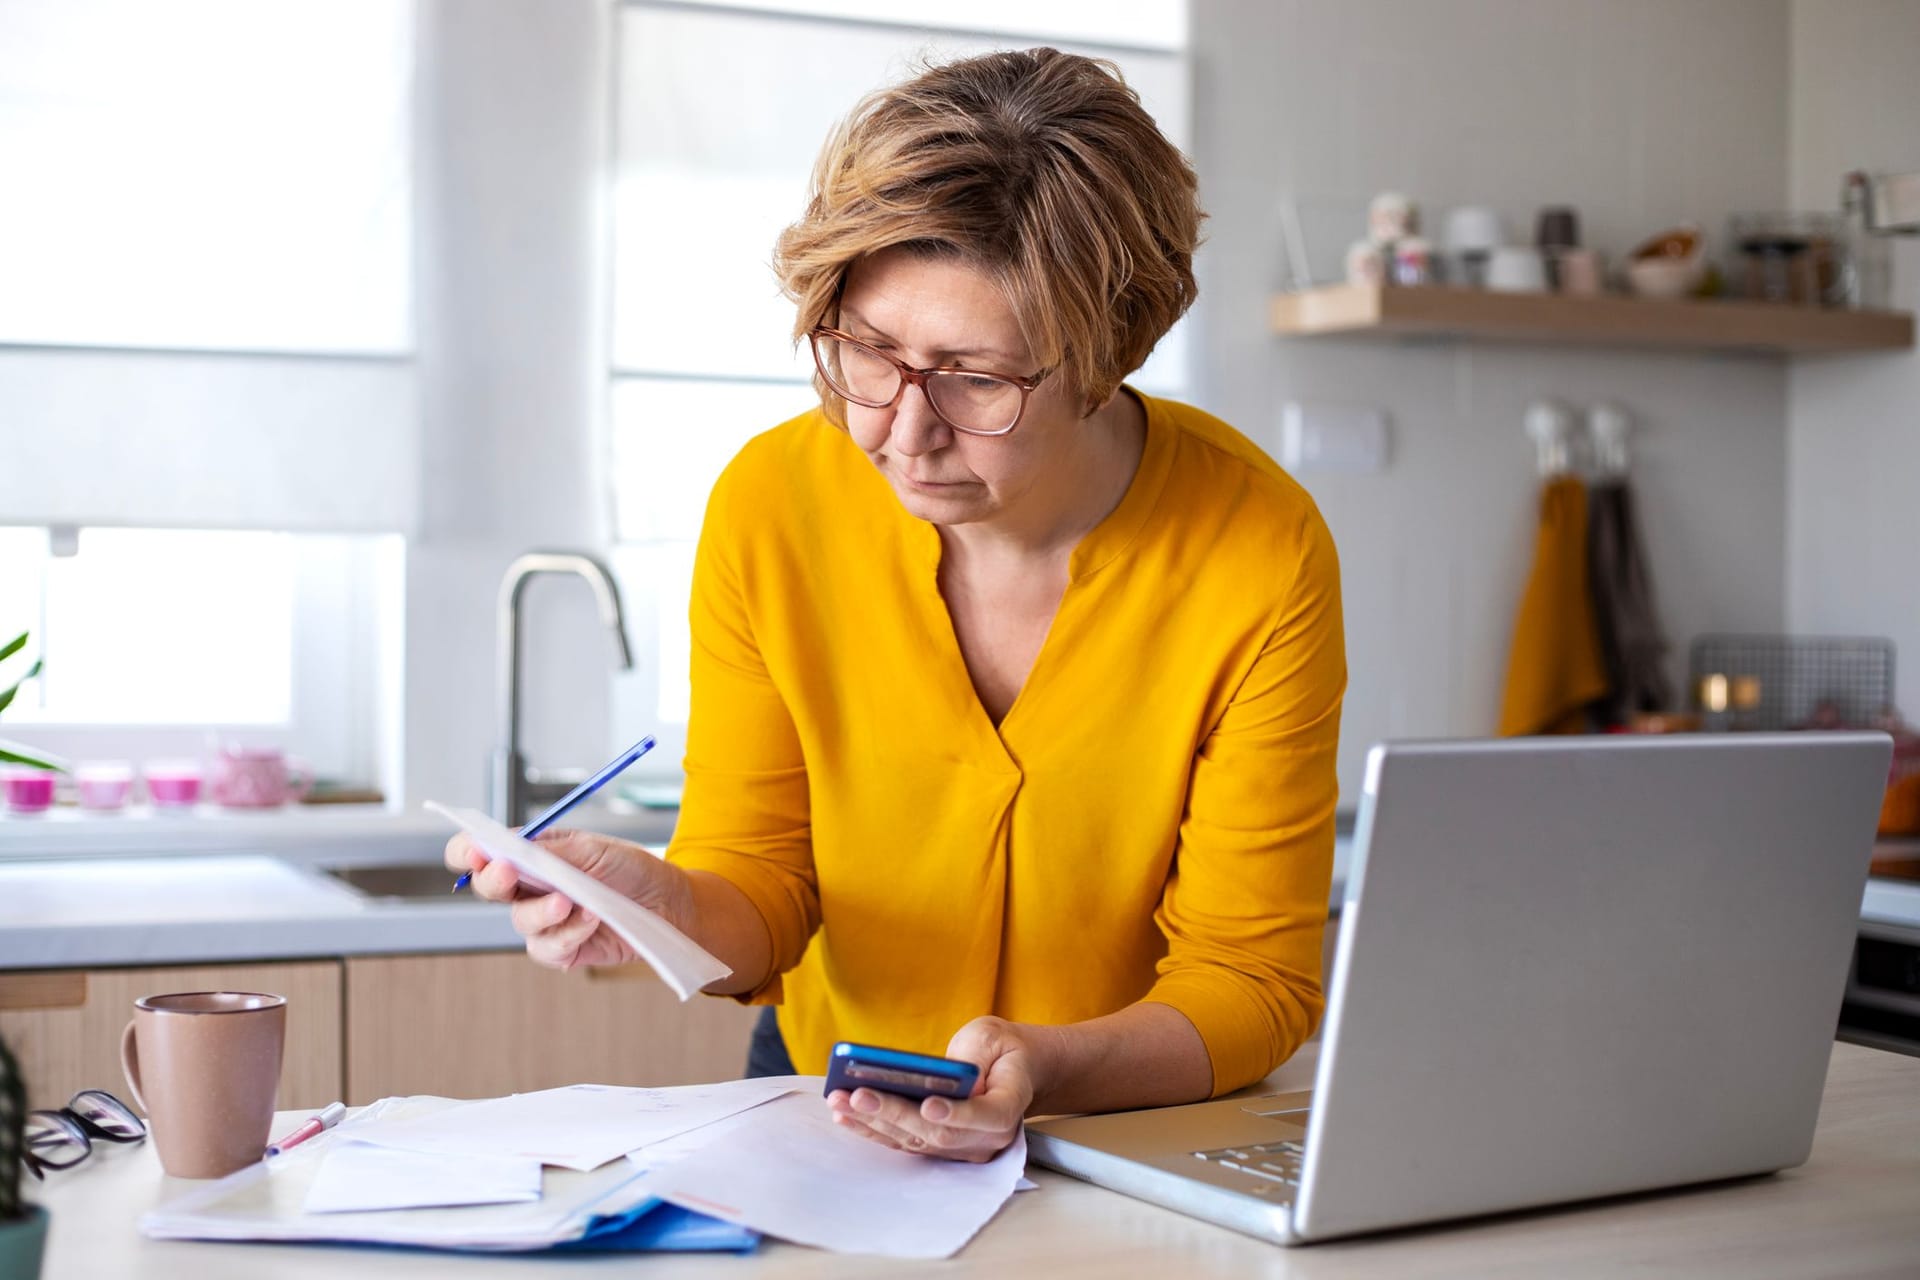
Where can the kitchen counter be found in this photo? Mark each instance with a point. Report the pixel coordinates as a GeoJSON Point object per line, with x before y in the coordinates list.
{"type": "Point", "coordinates": [75, 913]}
{"type": "Point", "coordinates": [129, 904]}
{"type": "Point", "coordinates": [137, 888]}
{"type": "Point", "coordinates": [1892, 902]}
{"type": "Point", "coordinates": [151, 907]}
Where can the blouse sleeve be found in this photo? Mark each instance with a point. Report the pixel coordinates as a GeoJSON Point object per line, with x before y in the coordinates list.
{"type": "Point", "coordinates": [1245, 906]}
{"type": "Point", "coordinates": [744, 813]}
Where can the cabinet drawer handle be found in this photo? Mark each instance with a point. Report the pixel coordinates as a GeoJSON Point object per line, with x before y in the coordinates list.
{"type": "Point", "coordinates": [42, 990]}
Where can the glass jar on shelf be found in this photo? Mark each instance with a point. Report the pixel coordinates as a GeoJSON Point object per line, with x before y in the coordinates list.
{"type": "Point", "coordinates": [1866, 268]}
{"type": "Point", "coordinates": [1785, 257]}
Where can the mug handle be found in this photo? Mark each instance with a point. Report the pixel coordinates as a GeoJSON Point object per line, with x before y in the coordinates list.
{"type": "Point", "coordinates": [299, 778]}
{"type": "Point", "coordinates": [130, 1067]}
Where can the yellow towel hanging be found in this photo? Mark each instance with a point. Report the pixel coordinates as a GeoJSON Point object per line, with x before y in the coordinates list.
{"type": "Point", "coordinates": [1555, 669]}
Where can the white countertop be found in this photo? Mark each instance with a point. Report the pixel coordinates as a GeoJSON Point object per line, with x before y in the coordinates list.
{"type": "Point", "coordinates": [72, 913]}
{"type": "Point", "coordinates": [1892, 902]}
{"type": "Point", "coordinates": [140, 887]}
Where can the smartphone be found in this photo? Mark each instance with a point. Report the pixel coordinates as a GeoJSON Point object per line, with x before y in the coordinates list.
{"type": "Point", "coordinates": [910, 1075]}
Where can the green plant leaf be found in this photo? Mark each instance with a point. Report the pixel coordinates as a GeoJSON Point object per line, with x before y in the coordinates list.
{"type": "Point", "coordinates": [13, 646]}
{"type": "Point", "coordinates": [20, 753]}
{"type": "Point", "coordinates": [6, 699]}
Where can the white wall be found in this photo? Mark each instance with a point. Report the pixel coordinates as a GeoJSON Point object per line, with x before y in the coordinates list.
{"type": "Point", "coordinates": [1641, 114]}
{"type": "Point", "coordinates": [514, 107]}
{"type": "Point", "coordinates": [1853, 439]}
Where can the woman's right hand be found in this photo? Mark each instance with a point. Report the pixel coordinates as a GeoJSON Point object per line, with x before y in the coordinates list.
{"type": "Point", "coordinates": [560, 934]}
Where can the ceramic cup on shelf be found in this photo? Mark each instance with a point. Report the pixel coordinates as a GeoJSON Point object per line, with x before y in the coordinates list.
{"type": "Point", "coordinates": [103, 785]}
{"type": "Point", "coordinates": [1579, 272]}
{"type": "Point", "coordinates": [173, 784]}
{"type": "Point", "coordinates": [1517, 269]}
{"type": "Point", "coordinates": [1366, 263]}
{"type": "Point", "coordinates": [28, 790]}
{"type": "Point", "coordinates": [1473, 232]}
{"type": "Point", "coordinates": [257, 778]}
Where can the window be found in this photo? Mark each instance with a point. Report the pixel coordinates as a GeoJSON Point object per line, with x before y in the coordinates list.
{"type": "Point", "coordinates": [708, 170]}
{"type": "Point", "coordinates": [210, 174]}
{"type": "Point", "coordinates": [205, 342]}
{"type": "Point", "coordinates": [157, 640]}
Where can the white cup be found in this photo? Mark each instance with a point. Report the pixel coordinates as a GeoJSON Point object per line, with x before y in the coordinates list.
{"type": "Point", "coordinates": [1517, 269]}
{"type": "Point", "coordinates": [1474, 228]}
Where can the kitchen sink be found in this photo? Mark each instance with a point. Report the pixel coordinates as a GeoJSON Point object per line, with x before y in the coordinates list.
{"type": "Point", "coordinates": [416, 881]}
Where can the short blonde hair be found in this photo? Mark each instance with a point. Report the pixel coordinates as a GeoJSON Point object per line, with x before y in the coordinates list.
{"type": "Point", "coordinates": [1039, 167]}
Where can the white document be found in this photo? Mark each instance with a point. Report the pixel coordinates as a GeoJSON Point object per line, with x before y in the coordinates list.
{"type": "Point", "coordinates": [581, 1127]}
{"type": "Point", "coordinates": [267, 1201]}
{"type": "Point", "coordinates": [658, 1155]}
{"type": "Point", "coordinates": [682, 963]}
{"type": "Point", "coordinates": [358, 1178]}
{"type": "Point", "coordinates": [788, 1170]}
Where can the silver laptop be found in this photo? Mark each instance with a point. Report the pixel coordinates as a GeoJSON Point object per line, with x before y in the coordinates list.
{"type": "Point", "coordinates": [1566, 969]}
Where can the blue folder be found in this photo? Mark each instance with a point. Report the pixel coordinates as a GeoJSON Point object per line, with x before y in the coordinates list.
{"type": "Point", "coordinates": [656, 1226]}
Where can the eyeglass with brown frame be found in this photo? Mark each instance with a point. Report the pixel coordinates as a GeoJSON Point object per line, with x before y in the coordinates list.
{"type": "Point", "coordinates": [864, 375]}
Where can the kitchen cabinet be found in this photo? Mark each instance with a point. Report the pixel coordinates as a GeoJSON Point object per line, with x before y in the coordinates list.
{"type": "Point", "coordinates": [65, 1025]}
{"type": "Point", "coordinates": [481, 1024]}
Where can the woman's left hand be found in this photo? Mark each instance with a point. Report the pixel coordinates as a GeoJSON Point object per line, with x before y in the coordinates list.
{"type": "Point", "coordinates": [976, 1129]}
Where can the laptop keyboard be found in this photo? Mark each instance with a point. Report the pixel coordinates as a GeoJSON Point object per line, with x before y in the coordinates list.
{"type": "Point", "coordinates": [1274, 1161]}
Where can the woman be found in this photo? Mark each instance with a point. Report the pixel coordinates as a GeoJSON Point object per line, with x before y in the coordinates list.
{"type": "Point", "coordinates": [1015, 692]}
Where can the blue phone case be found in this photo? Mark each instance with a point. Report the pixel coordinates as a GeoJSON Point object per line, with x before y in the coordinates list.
{"type": "Point", "coordinates": [910, 1075]}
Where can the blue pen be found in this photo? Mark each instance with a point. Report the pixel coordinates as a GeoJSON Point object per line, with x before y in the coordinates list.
{"type": "Point", "coordinates": [613, 769]}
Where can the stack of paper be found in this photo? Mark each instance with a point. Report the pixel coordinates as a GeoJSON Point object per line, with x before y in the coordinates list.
{"type": "Point", "coordinates": [450, 1175]}
{"type": "Point", "coordinates": [543, 1170]}
{"type": "Point", "coordinates": [269, 1201]}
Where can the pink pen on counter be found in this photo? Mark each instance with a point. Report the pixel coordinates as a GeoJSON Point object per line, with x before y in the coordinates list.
{"type": "Point", "coordinates": [328, 1118]}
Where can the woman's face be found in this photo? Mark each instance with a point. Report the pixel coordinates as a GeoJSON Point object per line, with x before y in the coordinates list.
{"type": "Point", "coordinates": [927, 311]}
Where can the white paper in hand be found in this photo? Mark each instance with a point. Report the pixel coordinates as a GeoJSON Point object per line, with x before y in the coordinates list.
{"type": "Point", "coordinates": [682, 963]}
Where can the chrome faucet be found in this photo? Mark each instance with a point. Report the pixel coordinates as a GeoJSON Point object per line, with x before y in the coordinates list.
{"type": "Point", "coordinates": [512, 786]}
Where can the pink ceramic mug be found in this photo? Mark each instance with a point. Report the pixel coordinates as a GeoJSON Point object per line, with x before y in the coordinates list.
{"type": "Point", "coordinates": [258, 778]}
{"type": "Point", "coordinates": [28, 790]}
{"type": "Point", "coordinates": [173, 784]}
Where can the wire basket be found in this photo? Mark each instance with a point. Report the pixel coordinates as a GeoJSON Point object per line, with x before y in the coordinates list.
{"type": "Point", "coordinates": [1801, 680]}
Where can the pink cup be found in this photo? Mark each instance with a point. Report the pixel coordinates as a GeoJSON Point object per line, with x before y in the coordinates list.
{"type": "Point", "coordinates": [173, 784]}
{"type": "Point", "coordinates": [257, 778]}
{"type": "Point", "coordinates": [103, 786]}
{"type": "Point", "coordinates": [28, 790]}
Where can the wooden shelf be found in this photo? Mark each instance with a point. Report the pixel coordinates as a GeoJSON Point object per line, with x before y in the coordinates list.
{"type": "Point", "coordinates": [1607, 320]}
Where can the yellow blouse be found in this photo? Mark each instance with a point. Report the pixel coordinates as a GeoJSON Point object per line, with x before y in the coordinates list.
{"type": "Point", "coordinates": [1152, 820]}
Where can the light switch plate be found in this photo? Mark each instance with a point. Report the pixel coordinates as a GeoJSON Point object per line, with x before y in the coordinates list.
{"type": "Point", "coordinates": [1333, 439]}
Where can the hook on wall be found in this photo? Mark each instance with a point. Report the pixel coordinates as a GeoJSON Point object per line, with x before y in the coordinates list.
{"type": "Point", "coordinates": [1561, 447]}
{"type": "Point", "coordinates": [1608, 426]}
{"type": "Point", "coordinates": [1550, 426]}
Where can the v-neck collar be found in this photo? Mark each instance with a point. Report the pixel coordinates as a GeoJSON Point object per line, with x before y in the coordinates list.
{"type": "Point", "coordinates": [1100, 547]}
